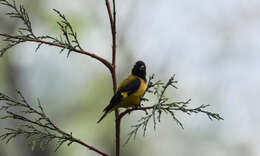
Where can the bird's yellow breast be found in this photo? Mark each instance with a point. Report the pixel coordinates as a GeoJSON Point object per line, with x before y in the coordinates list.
{"type": "Point", "coordinates": [135, 98]}
{"type": "Point", "coordinates": [141, 89]}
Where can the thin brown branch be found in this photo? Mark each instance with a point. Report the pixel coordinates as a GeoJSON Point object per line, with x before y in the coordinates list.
{"type": "Point", "coordinates": [79, 141]}
{"type": "Point", "coordinates": [113, 74]}
{"type": "Point", "coordinates": [180, 108]}
{"type": "Point", "coordinates": [110, 15]}
{"type": "Point", "coordinates": [114, 44]}
{"type": "Point", "coordinates": [39, 128]}
{"type": "Point", "coordinates": [90, 147]}
{"type": "Point", "coordinates": [117, 121]}
{"type": "Point", "coordinates": [114, 33]}
{"type": "Point", "coordinates": [55, 128]}
{"type": "Point", "coordinates": [112, 19]}
{"type": "Point", "coordinates": [102, 60]}
{"type": "Point", "coordinates": [133, 109]}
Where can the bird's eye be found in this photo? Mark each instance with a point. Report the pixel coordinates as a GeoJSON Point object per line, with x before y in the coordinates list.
{"type": "Point", "coordinates": [142, 67]}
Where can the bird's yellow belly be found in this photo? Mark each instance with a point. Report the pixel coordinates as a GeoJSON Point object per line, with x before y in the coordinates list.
{"type": "Point", "coordinates": [130, 101]}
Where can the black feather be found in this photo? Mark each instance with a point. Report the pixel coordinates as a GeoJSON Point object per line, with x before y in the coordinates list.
{"type": "Point", "coordinates": [102, 117]}
{"type": "Point", "coordinates": [129, 88]}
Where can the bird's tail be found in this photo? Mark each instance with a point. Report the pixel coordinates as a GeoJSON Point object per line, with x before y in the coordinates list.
{"type": "Point", "coordinates": [102, 117]}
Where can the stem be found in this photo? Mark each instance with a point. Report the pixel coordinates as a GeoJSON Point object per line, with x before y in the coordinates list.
{"type": "Point", "coordinates": [112, 19]}
{"type": "Point", "coordinates": [90, 147]}
{"type": "Point", "coordinates": [133, 109]}
{"type": "Point", "coordinates": [114, 34]}
{"type": "Point", "coordinates": [79, 141]}
{"type": "Point", "coordinates": [117, 120]}
{"type": "Point", "coordinates": [102, 60]}
{"type": "Point", "coordinates": [110, 15]}
{"type": "Point", "coordinates": [117, 132]}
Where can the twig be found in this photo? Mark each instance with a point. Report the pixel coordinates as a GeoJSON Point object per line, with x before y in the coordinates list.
{"type": "Point", "coordinates": [102, 60]}
{"type": "Point", "coordinates": [37, 126]}
{"type": "Point", "coordinates": [67, 41]}
{"type": "Point", "coordinates": [113, 71]}
{"type": "Point", "coordinates": [162, 106]}
{"type": "Point", "coordinates": [109, 15]}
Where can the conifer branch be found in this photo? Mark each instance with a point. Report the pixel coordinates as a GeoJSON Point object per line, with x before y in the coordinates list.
{"type": "Point", "coordinates": [19, 39]}
{"type": "Point", "coordinates": [67, 41]}
{"type": "Point", "coordinates": [163, 106]}
{"type": "Point", "coordinates": [36, 126]}
{"type": "Point", "coordinates": [20, 13]}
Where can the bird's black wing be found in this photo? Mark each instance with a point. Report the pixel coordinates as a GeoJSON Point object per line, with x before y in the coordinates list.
{"type": "Point", "coordinates": [130, 88]}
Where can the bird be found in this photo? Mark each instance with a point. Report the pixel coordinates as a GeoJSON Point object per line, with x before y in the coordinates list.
{"type": "Point", "coordinates": [130, 90]}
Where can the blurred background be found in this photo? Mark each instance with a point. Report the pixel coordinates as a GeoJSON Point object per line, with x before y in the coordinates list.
{"type": "Point", "coordinates": [211, 46]}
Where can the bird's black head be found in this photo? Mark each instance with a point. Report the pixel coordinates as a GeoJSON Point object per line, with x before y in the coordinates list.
{"type": "Point", "coordinates": [139, 69]}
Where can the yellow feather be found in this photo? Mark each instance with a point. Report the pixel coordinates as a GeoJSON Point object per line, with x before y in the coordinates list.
{"type": "Point", "coordinates": [133, 99]}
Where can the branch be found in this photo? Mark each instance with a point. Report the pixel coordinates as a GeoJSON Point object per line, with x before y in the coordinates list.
{"type": "Point", "coordinates": [113, 71]}
{"type": "Point", "coordinates": [162, 106]}
{"type": "Point", "coordinates": [25, 39]}
{"type": "Point", "coordinates": [67, 30]}
{"type": "Point", "coordinates": [114, 34]}
{"type": "Point", "coordinates": [19, 13]}
{"type": "Point", "coordinates": [67, 41]}
{"type": "Point", "coordinates": [110, 15]}
{"type": "Point", "coordinates": [37, 126]}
